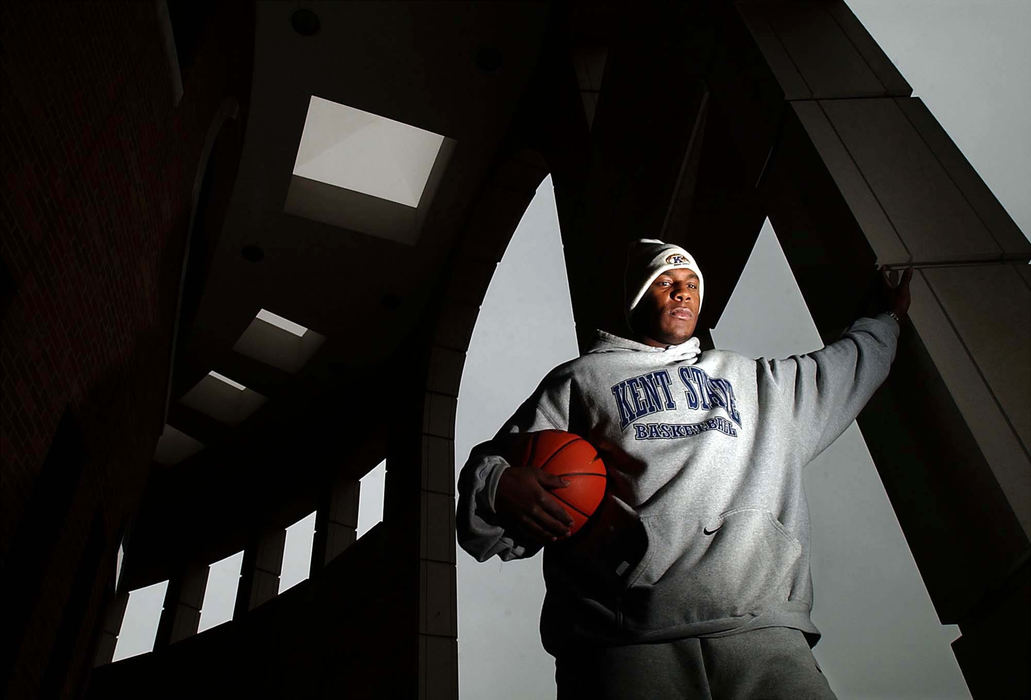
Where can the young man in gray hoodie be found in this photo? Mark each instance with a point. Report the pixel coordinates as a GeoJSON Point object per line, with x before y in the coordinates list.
{"type": "Point", "coordinates": [692, 579]}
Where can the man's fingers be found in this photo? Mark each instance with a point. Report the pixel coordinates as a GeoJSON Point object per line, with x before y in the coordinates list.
{"type": "Point", "coordinates": [552, 518]}
{"type": "Point", "coordinates": [535, 531]}
{"type": "Point", "coordinates": [554, 509]}
{"type": "Point", "coordinates": [525, 498]}
{"type": "Point", "coordinates": [551, 481]}
{"type": "Point", "coordinates": [895, 281]}
{"type": "Point", "coordinates": [542, 527]}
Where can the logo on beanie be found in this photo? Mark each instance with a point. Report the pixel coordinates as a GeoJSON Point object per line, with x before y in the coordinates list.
{"type": "Point", "coordinates": [677, 259]}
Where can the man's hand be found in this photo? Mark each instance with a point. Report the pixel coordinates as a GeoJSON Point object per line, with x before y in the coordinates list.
{"type": "Point", "coordinates": [898, 291]}
{"type": "Point", "coordinates": [523, 499]}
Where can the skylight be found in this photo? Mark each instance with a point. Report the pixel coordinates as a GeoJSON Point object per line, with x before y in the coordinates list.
{"type": "Point", "coordinates": [223, 399]}
{"type": "Point", "coordinates": [280, 322]}
{"type": "Point", "coordinates": [227, 380]}
{"type": "Point", "coordinates": [174, 446]}
{"type": "Point", "coordinates": [364, 152]}
{"type": "Point", "coordinates": [278, 341]}
{"type": "Point", "coordinates": [365, 173]}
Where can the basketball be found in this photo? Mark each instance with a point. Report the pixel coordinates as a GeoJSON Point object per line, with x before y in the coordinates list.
{"type": "Point", "coordinates": [574, 459]}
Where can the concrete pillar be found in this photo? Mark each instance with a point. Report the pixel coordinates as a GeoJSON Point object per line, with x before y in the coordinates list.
{"type": "Point", "coordinates": [259, 574]}
{"type": "Point", "coordinates": [438, 596]}
{"type": "Point", "coordinates": [336, 522]}
{"type": "Point", "coordinates": [858, 175]}
{"type": "Point", "coordinates": [184, 597]}
{"type": "Point", "coordinates": [110, 628]}
{"type": "Point", "coordinates": [432, 451]}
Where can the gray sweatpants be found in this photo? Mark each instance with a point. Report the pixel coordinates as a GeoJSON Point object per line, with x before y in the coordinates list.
{"type": "Point", "coordinates": [764, 664]}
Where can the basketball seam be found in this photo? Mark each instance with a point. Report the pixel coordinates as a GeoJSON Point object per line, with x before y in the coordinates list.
{"type": "Point", "coordinates": [555, 453]}
{"type": "Point", "coordinates": [586, 515]}
{"type": "Point", "coordinates": [562, 476]}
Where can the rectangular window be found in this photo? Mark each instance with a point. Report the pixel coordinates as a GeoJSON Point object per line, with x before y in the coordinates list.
{"type": "Point", "coordinates": [370, 498]}
{"type": "Point", "coordinates": [140, 624]}
{"type": "Point", "coordinates": [297, 552]}
{"type": "Point", "coordinates": [220, 593]}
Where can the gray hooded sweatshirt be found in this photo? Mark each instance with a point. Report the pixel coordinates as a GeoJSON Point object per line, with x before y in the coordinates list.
{"type": "Point", "coordinates": [705, 526]}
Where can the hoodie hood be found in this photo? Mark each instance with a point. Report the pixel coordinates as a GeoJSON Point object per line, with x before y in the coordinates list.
{"type": "Point", "coordinates": [686, 352]}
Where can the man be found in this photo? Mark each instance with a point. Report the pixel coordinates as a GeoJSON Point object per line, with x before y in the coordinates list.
{"type": "Point", "coordinates": [692, 579]}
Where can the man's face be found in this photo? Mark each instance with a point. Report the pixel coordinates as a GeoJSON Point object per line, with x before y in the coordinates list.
{"type": "Point", "coordinates": [668, 311]}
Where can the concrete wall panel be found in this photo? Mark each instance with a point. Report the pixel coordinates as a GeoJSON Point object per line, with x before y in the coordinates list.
{"type": "Point", "coordinates": [990, 307]}
{"type": "Point", "coordinates": [439, 673]}
{"type": "Point", "coordinates": [438, 527]}
{"type": "Point", "coordinates": [820, 50]}
{"type": "Point", "coordinates": [998, 222]}
{"type": "Point", "coordinates": [437, 596]}
{"type": "Point", "coordinates": [931, 213]}
{"type": "Point", "coordinates": [439, 415]}
{"type": "Point", "coordinates": [974, 322]}
{"type": "Point", "coordinates": [877, 227]}
{"type": "Point", "coordinates": [957, 519]}
{"type": "Point", "coordinates": [445, 372]}
{"type": "Point", "coordinates": [455, 327]}
{"type": "Point", "coordinates": [438, 465]}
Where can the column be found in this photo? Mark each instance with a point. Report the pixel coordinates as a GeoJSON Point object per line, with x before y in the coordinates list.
{"type": "Point", "coordinates": [336, 522]}
{"type": "Point", "coordinates": [859, 174]}
{"type": "Point", "coordinates": [181, 613]}
{"type": "Point", "coordinates": [259, 574]}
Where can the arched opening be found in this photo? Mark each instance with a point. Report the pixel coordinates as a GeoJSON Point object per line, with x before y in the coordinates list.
{"type": "Point", "coordinates": [524, 328]}
{"type": "Point", "coordinates": [866, 584]}
{"type": "Point", "coordinates": [866, 581]}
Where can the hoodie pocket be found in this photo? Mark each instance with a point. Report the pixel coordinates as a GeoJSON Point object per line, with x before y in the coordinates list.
{"type": "Point", "coordinates": [741, 562]}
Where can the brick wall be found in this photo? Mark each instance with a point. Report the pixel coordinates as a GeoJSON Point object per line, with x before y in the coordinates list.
{"type": "Point", "coordinates": [99, 167]}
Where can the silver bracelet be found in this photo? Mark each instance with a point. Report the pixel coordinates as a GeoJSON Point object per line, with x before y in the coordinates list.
{"type": "Point", "coordinates": [896, 317]}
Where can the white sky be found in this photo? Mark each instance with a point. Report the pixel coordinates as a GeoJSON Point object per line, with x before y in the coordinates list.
{"type": "Point", "coordinates": [970, 63]}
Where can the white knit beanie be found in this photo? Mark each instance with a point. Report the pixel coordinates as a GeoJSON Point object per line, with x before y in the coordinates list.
{"type": "Point", "coordinates": [647, 259]}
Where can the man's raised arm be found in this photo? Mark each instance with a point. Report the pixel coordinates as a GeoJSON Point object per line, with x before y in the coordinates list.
{"type": "Point", "coordinates": [822, 392]}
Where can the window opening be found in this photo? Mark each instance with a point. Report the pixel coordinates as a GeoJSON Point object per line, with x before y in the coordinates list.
{"type": "Point", "coordinates": [118, 562]}
{"type": "Point", "coordinates": [297, 552]}
{"type": "Point", "coordinates": [517, 339]}
{"type": "Point", "coordinates": [140, 623]}
{"type": "Point", "coordinates": [864, 574]}
{"type": "Point", "coordinates": [370, 498]}
{"type": "Point", "coordinates": [220, 593]}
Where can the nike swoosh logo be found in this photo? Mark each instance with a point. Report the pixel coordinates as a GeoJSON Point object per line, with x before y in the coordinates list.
{"type": "Point", "coordinates": [707, 531]}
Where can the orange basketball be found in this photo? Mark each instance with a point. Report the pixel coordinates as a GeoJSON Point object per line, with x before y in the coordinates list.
{"type": "Point", "coordinates": [575, 460]}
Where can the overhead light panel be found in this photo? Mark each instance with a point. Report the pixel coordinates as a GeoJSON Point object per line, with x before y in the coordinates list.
{"type": "Point", "coordinates": [365, 172]}
{"type": "Point", "coordinates": [227, 380]}
{"type": "Point", "coordinates": [223, 399]}
{"type": "Point", "coordinates": [174, 446]}
{"type": "Point", "coordinates": [280, 322]}
{"type": "Point", "coordinates": [278, 342]}
{"type": "Point", "coordinates": [365, 152]}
